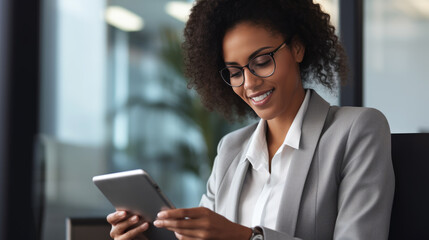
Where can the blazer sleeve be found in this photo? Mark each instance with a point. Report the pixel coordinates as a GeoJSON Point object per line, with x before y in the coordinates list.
{"type": "Point", "coordinates": [366, 180]}
{"type": "Point", "coordinates": [270, 234]}
{"type": "Point", "coordinates": [208, 199]}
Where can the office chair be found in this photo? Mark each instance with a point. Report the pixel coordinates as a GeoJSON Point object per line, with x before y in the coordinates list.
{"type": "Point", "coordinates": [410, 212]}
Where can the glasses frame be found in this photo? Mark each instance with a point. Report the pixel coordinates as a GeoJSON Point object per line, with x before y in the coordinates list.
{"type": "Point", "coordinates": [271, 54]}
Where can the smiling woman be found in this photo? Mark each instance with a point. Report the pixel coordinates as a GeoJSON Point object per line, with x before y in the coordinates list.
{"type": "Point", "coordinates": [306, 170]}
{"type": "Point", "coordinates": [279, 92]}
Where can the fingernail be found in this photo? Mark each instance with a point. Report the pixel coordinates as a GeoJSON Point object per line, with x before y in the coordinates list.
{"type": "Point", "coordinates": [157, 223]}
{"type": "Point", "coordinates": [121, 214]}
{"type": "Point", "coordinates": [135, 219]}
{"type": "Point", "coordinates": [162, 214]}
{"type": "Point", "coordinates": [145, 225]}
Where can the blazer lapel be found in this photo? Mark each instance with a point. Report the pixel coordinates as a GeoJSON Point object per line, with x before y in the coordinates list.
{"type": "Point", "coordinates": [238, 176]}
{"type": "Point", "coordinates": [311, 129]}
{"type": "Point", "coordinates": [235, 191]}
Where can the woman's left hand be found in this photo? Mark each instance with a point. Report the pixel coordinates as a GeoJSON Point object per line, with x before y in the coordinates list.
{"type": "Point", "coordinates": [200, 223]}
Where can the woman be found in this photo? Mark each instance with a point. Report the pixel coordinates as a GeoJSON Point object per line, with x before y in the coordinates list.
{"type": "Point", "coordinates": [307, 170]}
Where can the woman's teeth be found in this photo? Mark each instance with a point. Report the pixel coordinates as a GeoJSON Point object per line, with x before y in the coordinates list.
{"type": "Point", "coordinates": [262, 97]}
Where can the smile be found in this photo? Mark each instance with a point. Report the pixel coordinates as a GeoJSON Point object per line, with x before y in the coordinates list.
{"type": "Point", "coordinates": [262, 96]}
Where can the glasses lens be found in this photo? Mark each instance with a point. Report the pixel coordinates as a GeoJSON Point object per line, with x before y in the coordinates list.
{"type": "Point", "coordinates": [263, 65]}
{"type": "Point", "coordinates": [232, 75]}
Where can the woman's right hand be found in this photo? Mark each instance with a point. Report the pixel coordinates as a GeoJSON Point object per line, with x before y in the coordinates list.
{"type": "Point", "coordinates": [126, 226]}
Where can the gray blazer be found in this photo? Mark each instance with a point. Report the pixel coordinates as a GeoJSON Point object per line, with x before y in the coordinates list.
{"type": "Point", "coordinates": [340, 183]}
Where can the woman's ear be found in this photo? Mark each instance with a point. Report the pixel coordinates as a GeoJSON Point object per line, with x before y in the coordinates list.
{"type": "Point", "coordinates": [298, 49]}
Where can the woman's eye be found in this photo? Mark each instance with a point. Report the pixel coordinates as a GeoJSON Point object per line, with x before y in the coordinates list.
{"type": "Point", "coordinates": [261, 61]}
{"type": "Point", "coordinates": [262, 64]}
{"type": "Point", "coordinates": [235, 74]}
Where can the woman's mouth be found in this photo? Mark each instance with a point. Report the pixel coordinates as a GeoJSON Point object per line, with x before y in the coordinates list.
{"type": "Point", "coordinates": [261, 99]}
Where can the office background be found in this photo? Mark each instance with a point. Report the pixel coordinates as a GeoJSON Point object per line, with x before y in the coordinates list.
{"type": "Point", "coordinates": [81, 95]}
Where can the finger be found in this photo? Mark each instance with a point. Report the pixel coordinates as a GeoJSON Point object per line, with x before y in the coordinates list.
{"type": "Point", "coordinates": [182, 237]}
{"type": "Point", "coordinates": [190, 234]}
{"type": "Point", "coordinates": [184, 223]}
{"type": "Point", "coordinates": [116, 217]}
{"type": "Point", "coordinates": [184, 213]}
{"type": "Point", "coordinates": [122, 227]}
{"type": "Point", "coordinates": [134, 233]}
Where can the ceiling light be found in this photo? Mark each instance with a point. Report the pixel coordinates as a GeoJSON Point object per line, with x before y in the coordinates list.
{"type": "Point", "coordinates": [414, 8]}
{"type": "Point", "coordinates": [123, 19]}
{"type": "Point", "coordinates": [179, 10]}
{"type": "Point", "coordinates": [421, 6]}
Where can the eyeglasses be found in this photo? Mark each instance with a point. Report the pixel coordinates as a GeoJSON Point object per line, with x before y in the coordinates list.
{"type": "Point", "coordinates": [261, 66]}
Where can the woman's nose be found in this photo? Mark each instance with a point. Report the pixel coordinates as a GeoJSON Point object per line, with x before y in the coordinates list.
{"type": "Point", "coordinates": [250, 80]}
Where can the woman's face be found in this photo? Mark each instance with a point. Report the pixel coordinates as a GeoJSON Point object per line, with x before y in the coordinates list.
{"type": "Point", "coordinates": [278, 95]}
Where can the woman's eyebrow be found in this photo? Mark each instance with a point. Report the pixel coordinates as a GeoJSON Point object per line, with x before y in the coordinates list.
{"type": "Point", "coordinates": [254, 54]}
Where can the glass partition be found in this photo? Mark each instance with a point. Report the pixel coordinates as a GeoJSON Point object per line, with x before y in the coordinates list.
{"type": "Point", "coordinates": [114, 98]}
{"type": "Point", "coordinates": [396, 62]}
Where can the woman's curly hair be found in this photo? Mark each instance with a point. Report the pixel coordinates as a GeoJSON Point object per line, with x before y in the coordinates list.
{"type": "Point", "coordinates": [209, 20]}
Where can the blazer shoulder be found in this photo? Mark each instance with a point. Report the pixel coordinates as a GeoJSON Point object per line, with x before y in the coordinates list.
{"type": "Point", "coordinates": [232, 146]}
{"type": "Point", "coordinates": [355, 116]}
{"type": "Point", "coordinates": [237, 139]}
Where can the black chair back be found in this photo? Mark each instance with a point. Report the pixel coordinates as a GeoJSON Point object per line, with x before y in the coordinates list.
{"type": "Point", "coordinates": [410, 213]}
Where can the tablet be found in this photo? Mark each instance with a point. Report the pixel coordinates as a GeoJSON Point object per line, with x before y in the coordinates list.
{"type": "Point", "coordinates": [136, 192]}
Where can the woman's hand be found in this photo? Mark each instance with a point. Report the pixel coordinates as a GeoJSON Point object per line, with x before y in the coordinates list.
{"type": "Point", "coordinates": [200, 223]}
{"type": "Point", "coordinates": [126, 226]}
